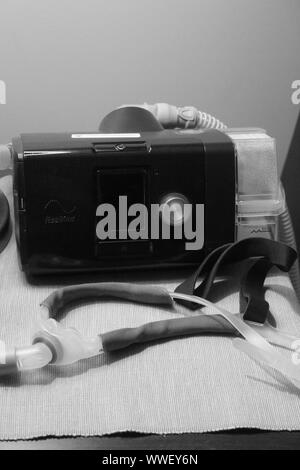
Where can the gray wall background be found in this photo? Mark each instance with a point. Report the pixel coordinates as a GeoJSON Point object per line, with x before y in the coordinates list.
{"type": "Point", "coordinates": [67, 63]}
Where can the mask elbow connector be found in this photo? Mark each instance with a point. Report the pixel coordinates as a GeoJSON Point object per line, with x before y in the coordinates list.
{"type": "Point", "coordinates": [67, 345]}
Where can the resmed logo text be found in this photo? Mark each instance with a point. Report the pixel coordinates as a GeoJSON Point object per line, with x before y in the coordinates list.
{"type": "Point", "coordinates": [57, 213]}
{"type": "Point", "coordinates": [2, 92]}
{"type": "Point", "coordinates": [162, 223]}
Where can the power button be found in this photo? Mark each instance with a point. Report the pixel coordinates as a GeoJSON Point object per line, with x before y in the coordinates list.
{"type": "Point", "coordinates": [176, 209]}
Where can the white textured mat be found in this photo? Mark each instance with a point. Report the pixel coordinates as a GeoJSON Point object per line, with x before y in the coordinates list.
{"type": "Point", "coordinates": [186, 385]}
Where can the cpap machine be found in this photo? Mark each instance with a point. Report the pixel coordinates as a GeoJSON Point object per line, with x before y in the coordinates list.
{"type": "Point", "coordinates": [155, 187]}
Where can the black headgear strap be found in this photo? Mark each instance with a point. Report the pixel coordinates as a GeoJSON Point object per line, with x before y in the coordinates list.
{"type": "Point", "coordinates": [264, 254]}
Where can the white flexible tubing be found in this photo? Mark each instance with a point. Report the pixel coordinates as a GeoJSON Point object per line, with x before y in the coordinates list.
{"type": "Point", "coordinates": [255, 346]}
{"type": "Point", "coordinates": [207, 121]}
{"type": "Point", "coordinates": [275, 335]}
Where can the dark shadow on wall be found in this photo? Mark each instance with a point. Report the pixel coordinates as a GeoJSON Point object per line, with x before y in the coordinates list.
{"type": "Point", "coordinates": [291, 181]}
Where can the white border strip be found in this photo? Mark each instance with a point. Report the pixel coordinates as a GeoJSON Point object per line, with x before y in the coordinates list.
{"type": "Point", "coordinates": [106, 136]}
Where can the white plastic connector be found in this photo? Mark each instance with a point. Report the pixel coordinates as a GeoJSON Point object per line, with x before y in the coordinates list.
{"type": "Point", "coordinates": [33, 357]}
{"type": "Point", "coordinates": [187, 117]}
{"type": "Point", "coordinates": [67, 344]}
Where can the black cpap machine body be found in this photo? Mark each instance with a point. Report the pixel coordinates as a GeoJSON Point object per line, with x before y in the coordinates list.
{"type": "Point", "coordinates": [65, 184]}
